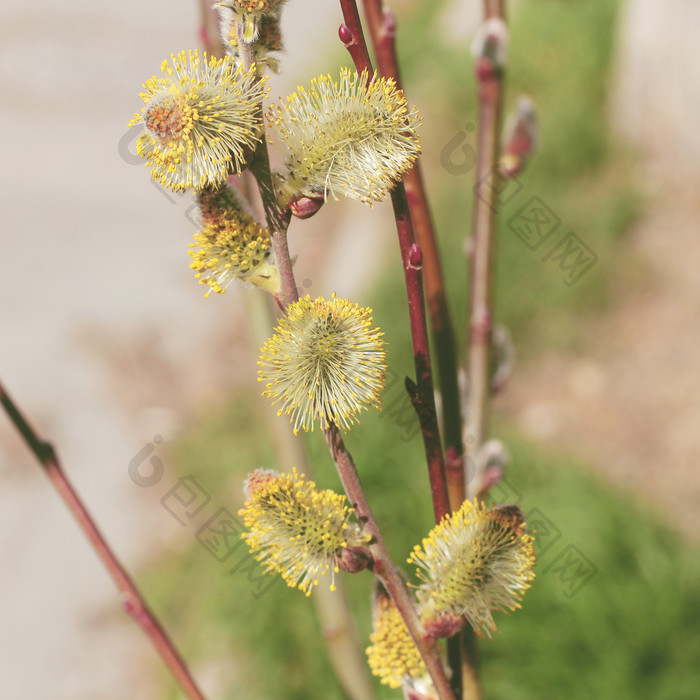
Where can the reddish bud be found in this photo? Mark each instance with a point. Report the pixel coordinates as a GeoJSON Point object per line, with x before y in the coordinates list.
{"type": "Point", "coordinates": [521, 138]}
{"type": "Point", "coordinates": [345, 34]}
{"type": "Point", "coordinates": [389, 23]}
{"type": "Point", "coordinates": [306, 207]}
{"type": "Point", "coordinates": [415, 257]}
{"type": "Point", "coordinates": [444, 626]}
{"type": "Point", "coordinates": [490, 43]}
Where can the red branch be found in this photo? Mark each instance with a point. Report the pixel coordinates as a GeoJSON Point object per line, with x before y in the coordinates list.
{"type": "Point", "coordinates": [382, 29]}
{"type": "Point", "coordinates": [132, 599]}
{"type": "Point", "coordinates": [423, 398]}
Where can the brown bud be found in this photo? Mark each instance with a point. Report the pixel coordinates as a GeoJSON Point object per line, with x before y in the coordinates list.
{"type": "Point", "coordinates": [354, 559]}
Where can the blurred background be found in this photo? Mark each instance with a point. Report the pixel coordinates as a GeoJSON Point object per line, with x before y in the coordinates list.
{"type": "Point", "coordinates": [108, 344]}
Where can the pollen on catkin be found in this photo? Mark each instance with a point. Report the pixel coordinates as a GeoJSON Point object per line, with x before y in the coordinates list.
{"type": "Point", "coordinates": [325, 363]}
{"type": "Point", "coordinates": [231, 245]}
{"type": "Point", "coordinates": [296, 529]}
{"type": "Point", "coordinates": [353, 137]}
{"type": "Point", "coordinates": [475, 561]}
{"type": "Point", "coordinates": [393, 656]}
{"type": "Point", "coordinates": [201, 117]}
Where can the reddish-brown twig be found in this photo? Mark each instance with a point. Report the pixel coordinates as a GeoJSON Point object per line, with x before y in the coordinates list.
{"type": "Point", "coordinates": [461, 649]}
{"type": "Point", "coordinates": [422, 395]}
{"type": "Point", "coordinates": [132, 599]}
{"type": "Point", "coordinates": [489, 75]}
{"type": "Point", "coordinates": [382, 30]}
{"type": "Point", "coordinates": [383, 567]}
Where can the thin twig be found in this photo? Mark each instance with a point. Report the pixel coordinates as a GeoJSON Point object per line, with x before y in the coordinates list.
{"type": "Point", "coordinates": [461, 649]}
{"type": "Point", "coordinates": [132, 599]}
{"type": "Point", "coordinates": [490, 93]}
{"type": "Point", "coordinates": [277, 218]}
{"type": "Point", "coordinates": [423, 393]}
{"type": "Point", "coordinates": [489, 76]}
{"type": "Point", "coordinates": [383, 567]}
{"type": "Point", "coordinates": [382, 30]}
{"type": "Point", "coordinates": [423, 397]}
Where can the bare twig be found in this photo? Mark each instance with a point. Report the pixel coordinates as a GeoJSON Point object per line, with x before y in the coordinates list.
{"type": "Point", "coordinates": [132, 599]}
{"type": "Point", "coordinates": [490, 89]}
{"type": "Point", "coordinates": [489, 75]}
{"type": "Point", "coordinates": [461, 649]}
{"type": "Point", "coordinates": [423, 396]}
{"type": "Point", "coordinates": [382, 29]}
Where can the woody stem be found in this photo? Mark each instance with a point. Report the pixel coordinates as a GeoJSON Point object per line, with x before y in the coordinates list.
{"type": "Point", "coordinates": [132, 599]}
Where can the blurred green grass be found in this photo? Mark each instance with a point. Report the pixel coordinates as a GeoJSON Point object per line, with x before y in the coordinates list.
{"type": "Point", "coordinates": [631, 631]}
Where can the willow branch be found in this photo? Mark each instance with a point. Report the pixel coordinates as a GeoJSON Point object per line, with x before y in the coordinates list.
{"type": "Point", "coordinates": [423, 395]}
{"type": "Point", "coordinates": [461, 649]}
{"type": "Point", "coordinates": [383, 567]}
{"type": "Point", "coordinates": [344, 650]}
{"type": "Point", "coordinates": [277, 217]}
{"type": "Point", "coordinates": [132, 599]}
{"type": "Point", "coordinates": [489, 76]}
{"type": "Point", "coordinates": [382, 30]}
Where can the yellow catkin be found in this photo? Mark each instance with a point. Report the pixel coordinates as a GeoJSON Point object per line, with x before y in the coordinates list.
{"type": "Point", "coordinates": [201, 120]}
{"type": "Point", "coordinates": [295, 529]}
{"type": "Point", "coordinates": [231, 245]}
{"type": "Point", "coordinates": [393, 656]}
{"type": "Point", "coordinates": [325, 363]}
{"type": "Point", "coordinates": [475, 561]}
{"type": "Point", "coordinates": [354, 137]}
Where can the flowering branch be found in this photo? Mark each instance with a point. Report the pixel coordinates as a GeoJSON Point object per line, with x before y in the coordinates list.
{"type": "Point", "coordinates": [382, 28]}
{"type": "Point", "coordinates": [332, 607]}
{"type": "Point", "coordinates": [277, 218]}
{"type": "Point", "coordinates": [132, 599]}
{"type": "Point", "coordinates": [422, 395]}
{"type": "Point", "coordinates": [325, 362]}
{"type": "Point", "coordinates": [383, 567]}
